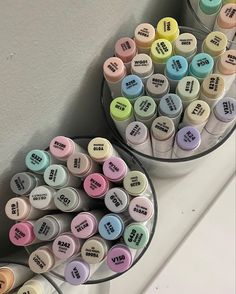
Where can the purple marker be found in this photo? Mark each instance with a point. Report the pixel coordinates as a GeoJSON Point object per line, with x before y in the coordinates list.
{"type": "Point", "coordinates": [119, 258]}
{"type": "Point", "coordinates": [115, 169]}
{"type": "Point", "coordinates": [77, 272]}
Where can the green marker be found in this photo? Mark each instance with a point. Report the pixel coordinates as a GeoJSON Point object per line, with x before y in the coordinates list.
{"type": "Point", "coordinates": [136, 235]}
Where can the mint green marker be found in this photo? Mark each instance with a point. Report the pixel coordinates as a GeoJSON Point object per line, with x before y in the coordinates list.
{"type": "Point", "coordinates": [145, 110]}
{"type": "Point", "coordinates": [207, 12]}
{"type": "Point", "coordinates": [38, 160]}
{"type": "Point", "coordinates": [136, 235]}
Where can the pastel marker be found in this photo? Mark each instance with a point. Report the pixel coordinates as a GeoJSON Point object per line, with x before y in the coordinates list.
{"type": "Point", "coordinates": [136, 184]}
{"type": "Point", "coordinates": [201, 66]}
{"type": "Point", "coordinates": [81, 165]}
{"type": "Point", "coordinates": [70, 199]}
{"type": "Point", "coordinates": [141, 209]}
{"type": "Point", "coordinates": [94, 250]}
{"type": "Point", "coordinates": [96, 185]}
{"type": "Point", "coordinates": [157, 86]}
{"type": "Point", "coordinates": [23, 183]}
{"type": "Point", "coordinates": [186, 46]}
{"type": "Point", "coordinates": [62, 147]}
{"type": "Point", "coordinates": [226, 20]}
{"type": "Point", "coordinates": [142, 67]}
{"type": "Point", "coordinates": [137, 137]}
{"type": "Point", "coordinates": [114, 72]}
{"type": "Point", "coordinates": [58, 176]}
{"type": "Point", "coordinates": [196, 115]}
{"type": "Point", "coordinates": [132, 87]}
{"type": "Point", "coordinates": [85, 224]}
{"type": "Point", "coordinates": [176, 68]}
{"type": "Point", "coordinates": [13, 276]}
{"type": "Point", "coordinates": [188, 89]}
{"type": "Point", "coordinates": [22, 234]}
{"type": "Point", "coordinates": [136, 235]}
{"type": "Point", "coordinates": [115, 169]}
{"type": "Point", "coordinates": [144, 36]}
{"type": "Point", "coordinates": [187, 141]}
{"type": "Point", "coordinates": [111, 226]}
{"type": "Point", "coordinates": [161, 51]}
{"type": "Point", "coordinates": [121, 112]}
{"type": "Point", "coordinates": [117, 200]}
{"type": "Point", "coordinates": [207, 12]}
{"type": "Point", "coordinates": [145, 110]}
{"type": "Point", "coordinates": [119, 258]}
{"type": "Point", "coordinates": [19, 208]}
{"type": "Point", "coordinates": [100, 149]}
{"type": "Point", "coordinates": [171, 106]}
{"type": "Point", "coordinates": [212, 89]}
{"type": "Point", "coordinates": [228, 1]}
{"type": "Point", "coordinates": [125, 49]}
{"type": "Point", "coordinates": [167, 28]}
{"type": "Point", "coordinates": [42, 197]}
{"type": "Point", "coordinates": [163, 134]}
{"type": "Point", "coordinates": [66, 246]}
{"type": "Point", "coordinates": [49, 227]}
{"type": "Point", "coordinates": [215, 44]}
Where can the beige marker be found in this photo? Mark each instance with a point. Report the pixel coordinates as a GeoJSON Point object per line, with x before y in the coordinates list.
{"type": "Point", "coordinates": [144, 36]}
{"type": "Point", "coordinates": [186, 46]}
{"type": "Point", "coordinates": [215, 44]}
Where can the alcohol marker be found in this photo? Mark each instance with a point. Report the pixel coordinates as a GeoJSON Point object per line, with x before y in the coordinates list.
{"type": "Point", "coordinates": [137, 137]}
{"type": "Point", "coordinates": [167, 28]}
{"type": "Point", "coordinates": [23, 183]}
{"type": "Point", "coordinates": [186, 46]}
{"type": "Point", "coordinates": [215, 44]}
{"type": "Point", "coordinates": [163, 134]}
{"type": "Point", "coordinates": [115, 169]}
{"type": "Point", "coordinates": [136, 184]}
{"type": "Point", "coordinates": [121, 112]}
{"type": "Point", "coordinates": [145, 110]}
{"type": "Point", "coordinates": [136, 236]}
{"type": "Point", "coordinates": [144, 36]}
{"type": "Point", "coordinates": [114, 71]}
{"type": "Point", "coordinates": [161, 51]}
{"type": "Point", "coordinates": [22, 234]}
{"type": "Point", "coordinates": [49, 227]}
{"type": "Point", "coordinates": [117, 200]}
{"type": "Point", "coordinates": [141, 209]}
{"type": "Point", "coordinates": [188, 89]}
{"type": "Point", "coordinates": [42, 197]}
{"type": "Point", "coordinates": [119, 258]}
{"type": "Point", "coordinates": [201, 66]}
{"type": "Point", "coordinates": [142, 67]}
{"type": "Point", "coordinates": [96, 185]}
{"type": "Point", "coordinates": [157, 86]}
{"type": "Point", "coordinates": [125, 49]}
{"type": "Point", "coordinates": [187, 141]}
{"type": "Point", "coordinates": [207, 12]}
{"type": "Point", "coordinates": [212, 89]}
{"type": "Point", "coordinates": [132, 87]}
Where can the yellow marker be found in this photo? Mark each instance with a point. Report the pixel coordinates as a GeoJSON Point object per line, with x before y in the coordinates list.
{"type": "Point", "coordinates": [167, 28]}
{"type": "Point", "coordinates": [161, 51]}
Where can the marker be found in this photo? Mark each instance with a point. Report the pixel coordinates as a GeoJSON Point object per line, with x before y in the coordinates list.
{"type": "Point", "coordinates": [196, 115]}
{"type": "Point", "coordinates": [136, 236]}
{"type": "Point", "coordinates": [95, 250]}
{"type": "Point", "coordinates": [157, 86]}
{"type": "Point", "coordinates": [85, 224]}
{"type": "Point", "coordinates": [66, 246]}
{"type": "Point", "coordinates": [136, 184]}
{"type": "Point", "coordinates": [141, 209]}
{"type": "Point", "coordinates": [142, 67]}
{"type": "Point", "coordinates": [145, 110]}
{"type": "Point", "coordinates": [137, 137]}
{"type": "Point", "coordinates": [188, 89]}
{"type": "Point", "coordinates": [121, 112]}
{"type": "Point", "coordinates": [22, 234]}
{"type": "Point", "coordinates": [42, 197]}
{"type": "Point", "coordinates": [117, 200]}
{"type": "Point", "coordinates": [81, 165]}
{"type": "Point", "coordinates": [132, 87]}
{"type": "Point", "coordinates": [115, 169]}
{"type": "Point", "coordinates": [167, 28]}
{"type": "Point", "coordinates": [207, 12]}
{"type": "Point", "coordinates": [19, 208]}
{"type": "Point", "coordinates": [119, 258]}
{"type": "Point", "coordinates": [171, 106]}
{"type": "Point", "coordinates": [12, 276]}
{"type": "Point", "coordinates": [225, 21]}
{"type": "Point", "coordinates": [114, 72]}
{"type": "Point", "coordinates": [187, 141]}
{"type": "Point", "coordinates": [176, 68]}
{"type": "Point", "coordinates": [96, 185]}
{"type": "Point", "coordinates": [58, 176]}
{"type": "Point", "coordinates": [144, 36]}
{"type": "Point", "coordinates": [125, 49]}
{"type": "Point", "coordinates": [201, 66]}
{"type": "Point", "coordinates": [186, 46]}
{"type": "Point", "coordinates": [49, 227]}
{"type": "Point", "coordinates": [162, 134]}
{"type": "Point", "coordinates": [215, 44]}
{"type": "Point", "coordinates": [62, 147]}
{"type": "Point", "coordinates": [23, 183]}
{"type": "Point", "coordinates": [70, 199]}
{"type": "Point", "coordinates": [161, 51]}
{"type": "Point", "coordinates": [212, 89]}
{"type": "Point", "coordinates": [100, 149]}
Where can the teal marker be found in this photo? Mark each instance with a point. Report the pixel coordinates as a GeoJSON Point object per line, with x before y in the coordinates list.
{"type": "Point", "coordinates": [207, 12]}
{"type": "Point", "coordinates": [38, 160]}
{"type": "Point", "coordinates": [201, 66]}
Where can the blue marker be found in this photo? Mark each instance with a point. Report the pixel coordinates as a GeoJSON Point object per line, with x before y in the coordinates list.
{"type": "Point", "coordinates": [132, 87]}
{"type": "Point", "coordinates": [111, 226]}
{"type": "Point", "coordinates": [201, 66]}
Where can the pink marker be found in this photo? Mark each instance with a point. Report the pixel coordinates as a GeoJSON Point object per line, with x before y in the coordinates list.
{"type": "Point", "coordinates": [119, 258]}
{"type": "Point", "coordinates": [141, 209]}
{"type": "Point", "coordinates": [115, 169]}
{"type": "Point", "coordinates": [96, 185]}
{"type": "Point", "coordinates": [22, 234]}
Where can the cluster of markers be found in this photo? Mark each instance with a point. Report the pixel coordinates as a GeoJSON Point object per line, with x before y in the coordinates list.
{"type": "Point", "coordinates": [86, 202]}
{"type": "Point", "coordinates": [168, 100]}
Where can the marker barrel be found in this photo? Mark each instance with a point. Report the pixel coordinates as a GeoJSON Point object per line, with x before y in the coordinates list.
{"type": "Point", "coordinates": [207, 12]}
{"type": "Point", "coordinates": [22, 234]}
{"type": "Point", "coordinates": [136, 235]}
{"type": "Point", "coordinates": [142, 67]}
{"type": "Point", "coordinates": [42, 197]}
{"type": "Point", "coordinates": [117, 200]}
{"type": "Point", "coordinates": [157, 86]}
{"type": "Point", "coordinates": [136, 184]}
{"type": "Point", "coordinates": [144, 36]}
{"type": "Point", "coordinates": [115, 169]}
{"type": "Point", "coordinates": [167, 28]}
{"type": "Point", "coordinates": [188, 89]}
{"type": "Point", "coordinates": [141, 209]}
{"type": "Point", "coordinates": [145, 110]}
{"type": "Point", "coordinates": [132, 87]}
{"type": "Point", "coordinates": [96, 185]}
{"type": "Point", "coordinates": [186, 46]}
{"type": "Point", "coordinates": [215, 44]}
{"type": "Point", "coordinates": [201, 66]}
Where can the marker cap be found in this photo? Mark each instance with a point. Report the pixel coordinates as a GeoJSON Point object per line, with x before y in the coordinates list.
{"type": "Point", "coordinates": [94, 250]}
{"type": "Point", "coordinates": [111, 227]}
{"type": "Point", "coordinates": [121, 108]}
{"type": "Point", "coordinates": [210, 6]}
{"type": "Point", "coordinates": [114, 168]}
{"type": "Point", "coordinates": [136, 235]}
{"type": "Point", "coordinates": [176, 67]}
{"type": "Point", "coordinates": [227, 16]}
{"type": "Point", "coordinates": [61, 147]}
{"type": "Point", "coordinates": [71, 196]}
{"type": "Point", "coordinates": [188, 88]}
{"type": "Point", "coordinates": [37, 160]}
{"type": "Point", "coordinates": [136, 133]}
{"type": "Point", "coordinates": [22, 234]}
{"type": "Point", "coordinates": [17, 208]}
{"type": "Point", "coordinates": [198, 112]}
{"type": "Point", "coordinates": [100, 149]}
{"type": "Point", "coordinates": [135, 183]}
{"type": "Point", "coordinates": [78, 164]}
{"type": "Point", "coordinates": [141, 65]}
{"type": "Point", "coordinates": [215, 43]}
{"type": "Point", "coordinates": [116, 264]}
{"type": "Point", "coordinates": [201, 65]}
{"type": "Point", "coordinates": [225, 109]}
{"type": "Point", "coordinates": [132, 87]}
{"type": "Point", "coordinates": [162, 128]}
{"type": "Point", "coordinates": [6, 280]}
{"type": "Point", "coordinates": [116, 200]}
{"type": "Point", "coordinates": [188, 138]}
{"type": "Point", "coordinates": [65, 246]}
{"type": "Point", "coordinates": [30, 289]}
{"type": "Point", "coordinates": [56, 175]}
{"type": "Point", "coordinates": [42, 256]}
{"type": "Point", "coordinates": [114, 69]}
{"type": "Point", "coordinates": [77, 272]}
{"type": "Point", "coordinates": [125, 49]}
{"type": "Point", "coordinates": [170, 105]}
{"type": "Point", "coordinates": [84, 225]}
{"type": "Point", "coordinates": [144, 107]}
{"type": "Point", "coordinates": [46, 228]}
{"type": "Point", "coordinates": [144, 35]}
{"type": "Point", "coordinates": [213, 86]}
{"type": "Point", "coordinates": [167, 28]}
{"type": "Point", "coordinates": [185, 45]}
{"type": "Point", "coordinates": [227, 62]}
{"type": "Point", "coordinates": [96, 185]}
{"type": "Point", "coordinates": [141, 209]}
{"type": "Point", "coordinates": [41, 197]}
{"type": "Point", "coordinates": [161, 50]}
{"type": "Point", "coordinates": [23, 183]}
{"type": "Point", "coordinates": [157, 86]}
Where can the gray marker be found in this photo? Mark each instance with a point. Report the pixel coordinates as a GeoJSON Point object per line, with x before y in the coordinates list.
{"type": "Point", "coordinates": [117, 200]}
{"type": "Point", "coordinates": [23, 183]}
{"type": "Point", "coordinates": [157, 86]}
